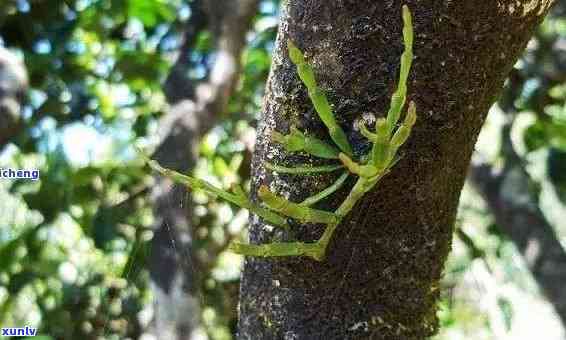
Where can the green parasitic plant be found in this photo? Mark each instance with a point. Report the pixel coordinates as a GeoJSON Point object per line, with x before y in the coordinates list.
{"type": "Point", "coordinates": [387, 138]}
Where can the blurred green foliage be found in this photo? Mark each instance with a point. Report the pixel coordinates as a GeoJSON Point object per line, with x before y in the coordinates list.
{"type": "Point", "coordinates": [74, 245]}
{"type": "Point", "coordinates": [95, 71]}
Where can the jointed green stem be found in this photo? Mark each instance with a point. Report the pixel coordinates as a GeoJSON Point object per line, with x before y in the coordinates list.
{"type": "Point", "coordinates": [381, 158]}
{"type": "Point", "coordinates": [299, 212]}
{"type": "Point", "coordinates": [318, 98]}
{"type": "Point", "coordinates": [303, 169]}
{"type": "Point", "coordinates": [279, 249]}
{"type": "Point", "coordinates": [399, 97]}
{"type": "Point", "coordinates": [387, 139]}
{"type": "Point", "coordinates": [326, 192]}
{"type": "Point", "coordinates": [238, 198]}
{"type": "Point", "coordinates": [381, 147]}
{"type": "Point", "coordinates": [297, 141]}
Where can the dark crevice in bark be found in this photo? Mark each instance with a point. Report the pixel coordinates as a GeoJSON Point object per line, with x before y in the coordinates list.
{"type": "Point", "coordinates": [380, 279]}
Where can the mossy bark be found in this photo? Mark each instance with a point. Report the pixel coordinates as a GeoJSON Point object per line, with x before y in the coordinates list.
{"type": "Point", "coordinates": [380, 278]}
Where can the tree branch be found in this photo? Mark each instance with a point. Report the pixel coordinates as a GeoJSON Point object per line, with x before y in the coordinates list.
{"type": "Point", "coordinates": [174, 269]}
{"type": "Point", "coordinates": [517, 213]}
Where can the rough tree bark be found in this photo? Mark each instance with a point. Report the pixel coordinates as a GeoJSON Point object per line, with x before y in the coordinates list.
{"type": "Point", "coordinates": [195, 107]}
{"type": "Point", "coordinates": [13, 85]}
{"type": "Point", "coordinates": [380, 279]}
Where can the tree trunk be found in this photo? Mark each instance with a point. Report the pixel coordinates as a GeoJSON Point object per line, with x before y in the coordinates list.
{"type": "Point", "coordinates": [195, 108]}
{"type": "Point", "coordinates": [380, 278]}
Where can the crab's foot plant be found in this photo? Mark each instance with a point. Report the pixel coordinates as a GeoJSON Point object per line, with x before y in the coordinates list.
{"type": "Point", "coordinates": [386, 139]}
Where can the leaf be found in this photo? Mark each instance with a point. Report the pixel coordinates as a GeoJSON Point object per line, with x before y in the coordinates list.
{"type": "Point", "coordinates": [150, 12]}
